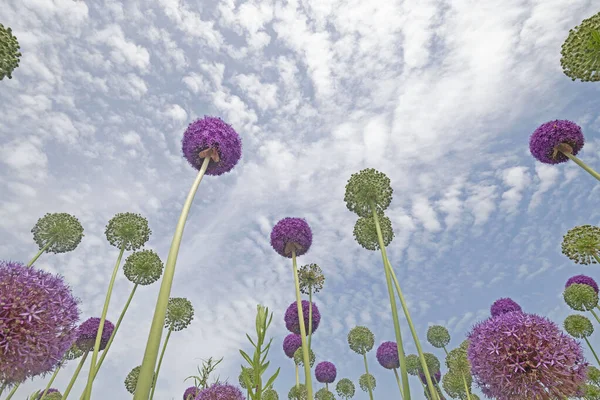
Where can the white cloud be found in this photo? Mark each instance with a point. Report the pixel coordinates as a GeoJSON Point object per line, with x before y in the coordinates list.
{"type": "Point", "coordinates": [517, 179]}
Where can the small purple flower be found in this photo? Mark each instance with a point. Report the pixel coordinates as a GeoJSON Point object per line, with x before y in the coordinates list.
{"type": "Point", "coordinates": [191, 393]}
{"type": "Point", "coordinates": [387, 355]}
{"type": "Point", "coordinates": [220, 391]}
{"type": "Point", "coordinates": [291, 343]}
{"type": "Point", "coordinates": [504, 305]}
{"type": "Point", "coordinates": [38, 317]}
{"type": "Point", "coordinates": [88, 331]}
{"type": "Point", "coordinates": [291, 232]}
{"type": "Point", "coordinates": [211, 132]}
{"type": "Point", "coordinates": [435, 378]}
{"type": "Point", "coordinates": [325, 372]}
{"type": "Point", "coordinates": [584, 280]}
{"type": "Point", "coordinates": [547, 136]}
{"type": "Point", "coordinates": [292, 322]}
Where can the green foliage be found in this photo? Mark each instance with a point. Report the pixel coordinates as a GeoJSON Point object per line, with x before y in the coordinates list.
{"type": "Point", "coordinates": [143, 267]}
{"type": "Point", "coordinates": [180, 313]}
{"type": "Point", "coordinates": [361, 340]}
{"type": "Point", "coordinates": [9, 52]}
{"type": "Point", "coordinates": [345, 388]}
{"type": "Point", "coordinates": [365, 187]}
{"type": "Point", "coordinates": [580, 297]}
{"type": "Point", "coordinates": [127, 230]}
{"type": "Point", "coordinates": [299, 359]}
{"type": "Point", "coordinates": [311, 278]}
{"type": "Point", "coordinates": [581, 51]}
{"type": "Point", "coordinates": [61, 229]}
{"type": "Point", "coordinates": [581, 243]}
{"type": "Point", "coordinates": [367, 381]}
{"type": "Point", "coordinates": [201, 380]}
{"type": "Point", "coordinates": [365, 232]}
{"type": "Point", "coordinates": [578, 326]}
{"type": "Point", "coordinates": [438, 336]}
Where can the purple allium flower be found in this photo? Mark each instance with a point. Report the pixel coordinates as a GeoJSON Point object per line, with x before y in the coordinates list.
{"type": "Point", "coordinates": [504, 305]}
{"type": "Point", "coordinates": [290, 232]}
{"type": "Point", "coordinates": [38, 317]}
{"type": "Point", "coordinates": [435, 378]}
{"type": "Point", "coordinates": [191, 393]}
{"type": "Point", "coordinates": [212, 132]}
{"type": "Point", "coordinates": [524, 356]}
{"type": "Point", "coordinates": [549, 135]}
{"type": "Point", "coordinates": [325, 372]}
{"type": "Point", "coordinates": [292, 322]}
{"type": "Point", "coordinates": [387, 355]}
{"type": "Point", "coordinates": [584, 280]}
{"type": "Point", "coordinates": [220, 391]}
{"type": "Point", "coordinates": [291, 343]}
{"type": "Point", "coordinates": [88, 331]}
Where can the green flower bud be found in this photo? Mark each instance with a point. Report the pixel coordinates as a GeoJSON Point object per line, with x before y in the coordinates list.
{"type": "Point", "coordinates": [129, 230]}
{"type": "Point", "coordinates": [581, 243]}
{"type": "Point", "coordinates": [143, 267]}
{"type": "Point", "coordinates": [361, 340]}
{"type": "Point", "coordinates": [298, 393]}
{"type": "Point", "coordinates": [365, 232]}
{"type": "Point", "coordinates": [367, 381]}
{"type": "Point", "coordinates": [324, 394]}
{"type": "Point", "coordinates": [438, 336]}
{"type": "Point", "coordinates": [366, 186]}
{"type": "Point", "coordinates": [578, 326]}
{"type": "Point", "coordinates": [581, 51]}
{"type": "Point", "coordinates": [179, 314]}
{"type": "Point", "coordinates": [345, 388]}
{"type": "Point", "coordinates": [311, 277]}
{"type": "Point", "coordinates": [299, 358]}
{"type": "Point", "coordinates": [413, 364]}
{"type": "Point", "coordinates": [9, 52]}
{"type": "Point", "coordinates": [453, 384]}
{"type": "Point", "coordinates": [580, 297]}
{"type": "Point", "coordinates": [62, 229]}
{"type": "Point", "coordinates": [249, 373]}
{"type": "Point", "coordinates": [270, 394]}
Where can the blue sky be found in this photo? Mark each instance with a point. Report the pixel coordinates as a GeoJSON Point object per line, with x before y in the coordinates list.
{"type": "Point", "coordinates": [439, 95]}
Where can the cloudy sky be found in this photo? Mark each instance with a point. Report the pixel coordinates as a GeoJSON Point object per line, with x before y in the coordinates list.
{"type": "Point", "coordinates": [441, 95]}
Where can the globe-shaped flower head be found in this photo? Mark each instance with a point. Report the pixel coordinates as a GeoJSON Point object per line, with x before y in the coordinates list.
{"type": "Point", "coordinates": [61, 232]}
{"type": "Point", "coordinates": [211, 137]}
{"type": "Point", "coordinates": [387, 355]}
{"type": "Point", "coordinates": [9, 52]}
{"type": "Point", "coordinates": [270, 394]}
{"type": "Point", "coordinates": [324, 394]}
{"type": "Point", "coordinates": [299, 358]}
{"type": "Point", "coordinates": [311, 278]}
{"type": "Point", "coordinates": [433, 364]}
{"type": "Point", "coordinates": [438, 336]}
{"type": "Point", "coordinates": [73, 353]}
{"type": "Point", "coordinates": [361, 340]}
{"type": "Point", "coordinates": [504, 305]}
{"type": "Point", "coordinates": [584, 280]}
{"type": "Point", "coordinates": [580, 297]}
{"type": "Point", "coordinates": [325, 372]}
{"type": "Point", "coordinates": [413, 364]}
{"type": "Point", "coordinates": [292, 322]}
{"type": "Point", "coordinates": [38, 317]}
{"type": "Point", "coordinates": [291, 343]}
{"type": "Point", "coordinates": [366, 187]}
{"type": "Point", "coordinates": [436, 378]}
{"type": "Point", "coordinates": [132, 378]}
{"type": "Point", "coordinates": [291, 234]}
{"type": "Point", "coordinates": [190, 393]}
{"type": "Point", "coordinates": [454, 385]}
{"type": "Point", "coordinates": [180, 313]}
{"type": "Point", "coordinates": [53, 396]}
{"type": "Point", "coordinates": [367, 381]}
{"type": "Point", "coordinates": [143, 267]}
{"type": "Point", "coordinates": [128, 230]}
{"type": "Point", "coordinates": [534, 360]}
{"type": "Point", "coordinates": [578, 326]}
{"type": "Point", "coordinates": [582, 244]}
{"type": "Point", "coordinates": [298, 392]}
{"type": "Point", "coordinates": [593, 374]}
{"type": "Point", "coordinates": [87, 334]}
{"type": "Point", "coordinates": [365, 232]}
{"type": "Point", "coordinates": [220, 391]}
{"type": "Point", "coordinates": [457, 360]}
{"type": "Point", "coordinates": [246, 373]}
{"type": "Point", "coordinates": [49, 392]}
{"type": "Point", "coordinates": [581, 51]}
{"type": "Point", "coordinates": [345, 388]}
{"type": "Point", "coordinates": [551, 136]}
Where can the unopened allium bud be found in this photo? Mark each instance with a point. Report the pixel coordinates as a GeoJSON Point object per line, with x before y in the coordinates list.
{"type": "Point", "coordinates": [367, 381]}
{"type": "Point", "coordinates": [438, 336]}
{"type": "Point", "coordinates": [361, 340]}
{"type": "Point", "coordinates": [311, 278]}
{"type": "Point", "coordinates": [129, 230]}
{"type": "Point", "coordinates": [368, 186]}
{"type": "Point", "coordinates": [298, 392]}
{"type": "Point", "coordinates": [180, 313]}
{"type": "Point", "coordinates": [324, 394]}
{"type": "Point", "coordinates": [9, 52]}
{"type": "Point", "coordinates": [581, 244]}
{"type": "Point", "coordinates": [453, 384]}
{"type": "Point", "coordinates": [413, 364]}
{"type": "Point", "coordinates": [299, 360]}
{"type": "Point", "coordinates": [365, 232]}
{"type": "Point", "coordinates": [62, 229]}
{"type": "Point", "coordinates": [581, 51]}
{"type": "Point", "coordinates": [270, 394]}
{"type": "Point", "coordinates": [143, 267]}
{"type": "Point", "coordinates": [580, 297]}
{"type": "Point", "coordinates": [247, 372]}
{"type": "Point", "coordinates": [578, 326]}
{"type": "Point", "coordinates": [345, 388]}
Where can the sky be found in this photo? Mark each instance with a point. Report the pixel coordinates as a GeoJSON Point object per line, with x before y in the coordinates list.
{"type": "Point", "coordinates": [440, 95]}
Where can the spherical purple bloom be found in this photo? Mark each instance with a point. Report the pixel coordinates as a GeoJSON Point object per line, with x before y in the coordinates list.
{"type": "Point", "coordinates": [504, 305]}
{"type": "Point", "coordinates": [191, 393]}
{"type": "Point", "coordinates": [291, 343]}
{"type": "Point", "coordinates": [212, 132]}
{"type": "Point", "coordinates": [325, 372]}
{"type": "Point", "coordinates": [288, 232]}
{"type": "Point", "coordinates": [550, 134]}
{"type": "Point", "coordinates": [524, 356]}
{"type": "Point", "coordinates": [86, 338]}
{"type": "Point", "coordinates": [292, 322]}
{"type": "Point", "coordinates": [436, 378]}
{"type": "Point", "coordinates": [220, 391]}
{"type": "Point", "coordinates": [584, 280]}
{"type": "Point", "coordinates": [387, 355]}
{"type": "Point", "coordinates": [38, 317]}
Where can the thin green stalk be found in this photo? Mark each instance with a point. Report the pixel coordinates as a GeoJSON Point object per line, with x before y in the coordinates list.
{"type": "Point", "coordinates": [297, 377]}
{"type": "Point", "coordinates": [52, 379]}
{"type": "Point", "coordinates": [12, 392]}
{"type": "Point", "coordinates": [595, 315]}
{"type": "Point", "coordinates": [326, 386]}
{"type": "Point", "coordinates": [91, 375]}
{"type": "Point", "coordinates": [309, 317]}
{"type": "Point", "coordinates": [2, 387]}
{"type": "Point", "coordinates": [75, 375]}
{"type": "Point", "coordinates": [162, 354]}
{"type": "Point", "coordinates": [583, 165]}
{"type": "Point", "coordinates": [305, 353]}
{"type": "Point", "coordinates": [596, 257]}
{"type": "Point", "coordinates": [145, 378]}
{"type": "Point", "coordinates": [398, 382]}
{"type": "Point", "coordinates": [368, 380]}
{"type": "Point", "coordinates": [592, 349]}
{"type": "Point", "coordinates": [39, 253]}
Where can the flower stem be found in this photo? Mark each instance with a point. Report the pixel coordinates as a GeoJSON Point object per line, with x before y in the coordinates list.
{"type": "Point", "coordinates": [162, 354]}
{"type": "Point", "coordinates": [305, 353]}
{"type": "Point", "coordinates": [595, 315]}
{"type": "Point", "coordinates": [596, 257]}
{"type": "Point", "coordinates": [583, 165]}
{"type": "Point", "coordinates": [398, 382]}
{"type": "Point", "coordinates": [327, 386]}
{"type": "Point", "coordinates": [592, 349]}
{"type": "Point", "coordinates": [12, 392]}
{"type": "Point", "coordinates": [144, 384]}
{"type": "Point", "coordinates": [2, 387]}
{"type": "Point", "coordinates": [75, 375]}
{"type": "Point", "coordinates": [368, 380]}
{"type": "Point", "coordinates": [297, 377]}
{"type": "Point", "coordinates": [91, 375]}
{"type": "Point", "coordinates": [39, 253]}
{"type": "Point", "coordinates": [51, 380]}
{"type": "Point", "coordinates": [309, 317]}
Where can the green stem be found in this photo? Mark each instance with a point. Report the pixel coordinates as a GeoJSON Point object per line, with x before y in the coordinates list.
{"type": "Point", "coordinates": [39, 253]}
{"type": "Point", "coordinates": [595, 315]}
{"type": "Point", "coordinates": [144, 384]}
{"type": "Point", "coordinates": [162, 354]}
{"type": "Point", "coordinates": [592, 349]}
{"type": "Point", "coordinates": [12, 392]}
{"type": "Point", "coordinates": [52, 379]}
{"type": "Point", "coordinates": [398, 382]}
{"type": "Point", "coordinates": [305, 353]}
{"type": "Point", "coordinates": [596, 257]}
{"type": "Point", "coordinates": [75, 375]}
{"type": "Point", "coordinates": [2, 387]}
{"type": "Point", "coordinates": [368, 380]}
{"type": "Point", "coordinates": [327, 386]}
{"type": "Point", "coordinates": [583, 165]}
{"type": "Point", "coordinates": [297, 377]}
{"type": "Point", "coordinates": [91, 375]}
{"type": "Point", "coordinates": [309, 317]}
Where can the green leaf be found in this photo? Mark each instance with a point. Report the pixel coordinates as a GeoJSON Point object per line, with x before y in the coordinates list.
{"type": "Point", "coordinates": [250, 339]}
{"type": "Point", "coordinates": [272, 379]}
{"type": "Point", "coordinates": [246, 357]}
{"type": "Point", "coordinates": [264, 367]}
{"type": "Point", "coordinates": [249, 386]}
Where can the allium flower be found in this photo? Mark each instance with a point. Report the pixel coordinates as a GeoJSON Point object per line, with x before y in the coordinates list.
{"type": "Point", "coordinates": [298, 392]}
{"type": "Point", "coordinates": [387, 355]}
{"type": "Point", "coordinates": [132, 379]}
{"type": "Point", "coordinates": [129, 230]}
{"type": "Point", "coordinates": [590, 392]}
{"type": "Point", "coordinates": [413, 364]}
{"type": "Point", "coordinates": [190, 393]}
{"type": "Point", "coordinates": [87, 334]}
{"type": "Point", "coordinates": [439, 393]}
{"type": "Point", "coordinates": [9, 52]}
{"type": "Point", "coordinates": [179, 314]}
{"type": "Point", "coordinates": [73, 353]}
{"type": "Point", "coordinates": [292, 322]}
{"type": "Point", "coordinates": [525, 356]}
{"type": "Point", "coordinates": [433, 363]}
{"type": "Point", "coordinates": [584, 280]}
{"type": "Point", "coordinates": [61, 232]}
{"type": "Point", "coordinates": [311, 278]}
{"type": "Point", "coordinates": [593, 374]}
{"type": "Point", "coordinates": [324, 394]}
{"type": "Point", "coordinates": [545, 139]}
{"type": "Point", "coordinates": [53, 396]}
{"type": "Point", "coordinates": [247, 372]}
{"type": "Point", "coordinates": [581, 51]}
{"type": "Point", "coordinates": [435, 377]}
{"type": "Point", "coordinates": [143, 267]}
{"type": "Point", "coordinates": [325, 372]}
{"type": "Point", "coordinates": [504, 305]}
{"type": "Point", "coordinates": [212, 132]}
{"type": "Point", "coordinates": [220, 391]}
{"type": "Point", "coordinates": [366, 186]}
{"type": "Point", "coordinates": [457, 360]}
{"type": "Point", "coordinates": [345, 388]}
{"type": "Point", "coordinates": [367, 381]}
{"type": "Point", "coordinates": [454, 385]}
{"type": "Point", "coordinates": [365, 232]}
{"type": "Point", "coordinates": [582, 244]}
{"type": "Point", "coordinates": [49, 392]}
{"type": "Point", "coordinates": [361, 340]}
{"type": "Point", "coordinates": [291, 233]}
{"type": "Point", "coordinates": [38, 316]}
{"type": "Point", "coordinates": [299, 360]}
{"type": "Point", "coordinates": [580, 297]}
{"type": "Point", "coordinates": [578, 326]}
{"type": "Point", "coordinates": [291, 343]}
{"type": "Point", "coordinates": [270, 394]}
{"type": "Point", "coordinates": [438, 336]}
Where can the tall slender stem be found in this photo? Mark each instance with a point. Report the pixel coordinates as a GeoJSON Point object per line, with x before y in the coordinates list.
{"type": "Point", "coordinates": [91, 375]}
{"type": "Point", "coordinates": [398, 382]}
{"type": "Point", "coordinates": [39, 253]}
{"type": "Point", "coordinates": [368, 380]}
{"type": "Point", "coordinates": [583, 165]}
{"type": "Point", "coordinates": [596, 257]}
{"type": "Point", "coordinates": [75, 375]}
{"type": "Point", "coordinates": [162, 354]}
{"type": "Point", "coordinates": [297, 376]}
{"type": "Point", "coordinates": [327, 386]}
{"type": "Point", "coordinates": [12, 392]}
{"type": "Point", "coordinates": [592, 349]}
{"type": "Point", "coordinates": [310, 313]}
{"type": "Point", "coordinates": [52, 379]}
{"type": "Point", "coordinates": [144, 384]}
{"type": "Point", "coordinates": [595, 315]}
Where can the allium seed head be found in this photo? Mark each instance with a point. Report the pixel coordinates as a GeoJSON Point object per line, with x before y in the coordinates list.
{"type": "Point", "coordinates": [291, 233]}
{"type": "Point", "coordinates": [39, 393]}
{"type": "Point", "coordinates": [270, 394]}
{"type": "Point", "coordinates": [191, 393]}
{"type": "Point", "coordinates": [220, 391]}
{"type": "Point", "coordinates": [581, 51]}
{"type": "Point", "coordinates": [53, 396]}
{"type": "Point", "coordinates": [73, 353]}
{"type": "Point", "coordinates": [504, 305]}
{"type": "Point", "coordinates": [580, 297]}
{"type": "Point", "coordinates": [324, 394]}
{"type": "Point", "coordinates": [365, 187]}
{"type": "Point", "coordinates": [62, 229]}
{"type": "Point", "coordinates": [367, 381]}
{"type": "Point", "coordinates": [132, 378]}
{"type": "Point", "coordinates": [593, 374]}
{"type": "Point", "coordinates": [143, 267]}
{"type": "Point", "coordinates": [180, 313]}
{"type": "Point", "coordinates": [361, 340]}
{"type": "Point", "coordinates": [38, 317]}
{"type": "Point", "coordinates": [387, 355]}
{"type": "Point", "coordinates": [129, 230]}
{"type": "Point", "coordinates": [345, 388]}
{"type": "Point", "coordinates": [87, 332]}
{"type": "Point", "coordinates": [299, 358]}
{"type": "Point", "coordinates": [581, 244]}
{"type": "Point", "coordinates": [325, 372]}
{"type": "Point", "coordinates": [292, 321]}
{"type": "Point", "coordinates": [365, 232]}
{"type": "Point", "coordinates": [578, 326]}
{"type": "Point", "coordinates": [438, 336]}
{"type": "Point", "coordinates": [590, 392]}
{"type": "Point", "coordinates": [298, 392]}
{"type": "Point", "coordinates": [433, 363]}
{"type": "Point", "coordinates": [9, 52]}
{"type": "Point", "coordinates": [439, 392]}
{"type": "Point", "coordinates": [291, 343]}
{"type": "Point", "coordinates": [207, 133]}
{"type": "Point", "coordinates": [435, 377]}
{"type": "Point", "coordinates": [413, 364]}
{"type": "Point", "coordinates": [247, 373]}
{"type": "Point", "coordinates": [453, 384]}
{"type": "Point", "coordinates": [311, 278]}
{"type": "Point", "coordinates": [547, 136]}
{"type": "Point", "coordinates": [584, 280]}
{"type": "Point", "coordinates": [457, 360]}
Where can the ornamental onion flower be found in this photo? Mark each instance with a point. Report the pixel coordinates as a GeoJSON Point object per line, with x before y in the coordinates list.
{"type": "Point", "coordinates": [361, 340]}
{"type": "Point", "coordinates": [365, 232]}
{"type": "Point", "coordinates": [413, 364]}
{"type": "Point", "coordinates": [87, 334]}
{"type": "Point", "coordinates": [220, 391]}
{"type": "Point", "coordinates": [291, 343]}
{"type": "Point", "coordinates": [132, 378]}
{"type": "Point", "coordinates": [436, 377]}
{"type": "Point", "coordinates": [53, 396]}
{"type": "Point", "coordinates": [56, 233]}
{"type": "Point", "coordinates": [299, 357]}
{"type": "Point", "coordinates": [582, 244]}
{"type": "Point", "coordinates": [387, 355]}
{"type": "Point", "coordinates": [292, 321]}
{"type": "Point", "coordinates": [310, 280]}
{"type": "Point", "coordinates": [584, 280]}
{"type": "Point", "coordinates": [367, 382]}
{"type": "Point", "coordinates": [298, 392]}
{"type": "Point", "coordinates": [580, 327]}
{"type": "Point", "coordinates": [581, 51]}
{"type": "Point", "coordinates": [324, 394]}
{"type": "Point", "coordinates": [504, 305]}
{"type": "Point", "coordinates": [247, 372]}
{"type": "Point", "coordinates": [190, 393]}
{"type": "Point", "coordinates": [325, 372]}
{"type": "Point", "coordinates": [593, 375]}
{"type": "Point", "coordinates": [345, 388]}
{"type": "Point", "coordinates": [454, 386]}
{"type": "Point", "coordinates": [39, 393]}
{"type": "Point", "coordinates": [438, 336]}
{"type": "Point", "coordinates": [581, 297]}
{"type": "Point", "coordinates": [535, 360]}
{"type": "Point", "coordinates": [9, 52]}
{"type": "Point", "coordinates": [270, 394]}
